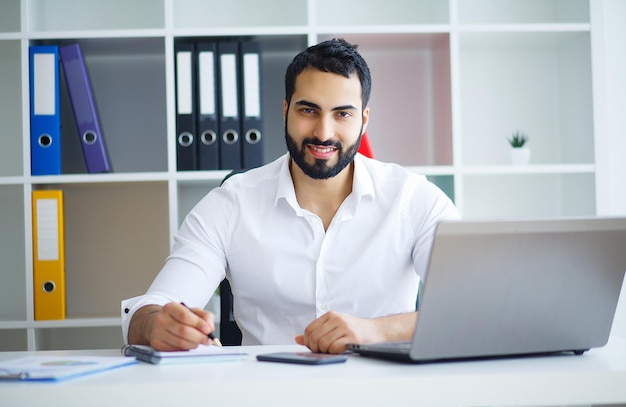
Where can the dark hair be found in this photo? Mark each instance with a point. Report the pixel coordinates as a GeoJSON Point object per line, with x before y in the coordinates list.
{"type": "Point", "coordinates": [336, 56]}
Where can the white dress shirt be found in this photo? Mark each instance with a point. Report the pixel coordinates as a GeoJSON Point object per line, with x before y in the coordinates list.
{"type": "Point", "coordinates": [284, 268]}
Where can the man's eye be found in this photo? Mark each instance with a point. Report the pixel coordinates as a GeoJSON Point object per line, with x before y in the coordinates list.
{"type": "Point", "coordinates": [344, 115]}
{"type": "Point", "coordinates": [307, 110]}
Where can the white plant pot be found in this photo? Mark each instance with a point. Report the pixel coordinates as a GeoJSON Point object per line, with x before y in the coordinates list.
{"type": "Point", "coordinates": [520, 156]}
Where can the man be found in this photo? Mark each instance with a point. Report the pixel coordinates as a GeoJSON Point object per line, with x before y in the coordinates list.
{"type": "Point", "coordinates": [323, 246]}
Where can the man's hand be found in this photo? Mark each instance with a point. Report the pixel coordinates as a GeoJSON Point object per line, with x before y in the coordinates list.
{"type": "Point", "coordinates": [331, 332]}
{"type": "Point", "coordinates": [171, 327]}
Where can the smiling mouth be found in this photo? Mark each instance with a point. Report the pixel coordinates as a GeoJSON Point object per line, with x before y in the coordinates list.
{"type": "Point", "coordinates": [321, 152]}
{"type": "Point", "coordinates": [322, 149]}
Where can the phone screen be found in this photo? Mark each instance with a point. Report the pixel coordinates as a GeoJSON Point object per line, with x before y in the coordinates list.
{"type": "Point", "coordinates": [303, 358]}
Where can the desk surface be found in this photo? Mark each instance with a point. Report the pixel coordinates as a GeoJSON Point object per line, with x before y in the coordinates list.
{"type": "Point", "coordinates": [597, 377]}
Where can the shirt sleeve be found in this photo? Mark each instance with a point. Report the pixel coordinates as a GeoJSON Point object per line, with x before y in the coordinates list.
{"type": "Point", "coordinates": [437, 207]}
{"type": "Point", "coordinates": [197, 262]}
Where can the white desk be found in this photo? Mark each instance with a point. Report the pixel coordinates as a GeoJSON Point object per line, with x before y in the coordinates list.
{"type": "Point", "coordinates": [597, 377]}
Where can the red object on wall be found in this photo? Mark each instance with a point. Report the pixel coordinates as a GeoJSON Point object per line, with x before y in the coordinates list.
{"type": "Point", "coordinates": [365, 148]}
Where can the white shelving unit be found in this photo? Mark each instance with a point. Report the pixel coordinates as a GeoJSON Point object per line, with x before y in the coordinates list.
{"type": "Point", "coordinates": [451, 80]}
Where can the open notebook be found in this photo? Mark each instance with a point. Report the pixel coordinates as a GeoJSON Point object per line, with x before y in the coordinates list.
{"type": "Point", "coordinates": [201, 354]}
{"type": "Point", "coordinates": [506, 288]}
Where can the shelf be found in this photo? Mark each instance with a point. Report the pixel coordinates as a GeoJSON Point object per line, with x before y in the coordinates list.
{"type": "Point", "coordinates": [79, 337]}
{"type": "Point", "coordinates": [11, 181]}
{"type": "Point", "coordinates": [12, 252]}
{"type": "Point", "coordinates": [539, 83]}
{"type": "Point", "coordinates": [88, 333]}
{"type": "Point", "coordinates": [116, 241]}
{"type": "Point", "coordinates": [10, 16]}
{"type": "Point", "coordinates": [66, 323]}
{"type": "Point", "coordinates": [373, 12]}
{"type": "Point", "coordinates": [527, 11]}
{"type": "Point", "coordinates": [414, 68]}
{"type": "Point", "coordinates": [432, 169]}
{"type": "Point", "coordinates": [11, 153]}
{"type": "Point", "coordinates": [452, 79]}
{"type": "Point", "coordinates": [190, 193]}
{"type": "Point", "coordinates": [239, 15]}
{"type": "Point", "coordinates": [528, 28]}
{"type": "Point", "coordinates": [529, 169]}
{"type": "Point", "coordinates": [127, 77]}
{"type": "Point", "coordinates": [93, 15]}
{"type": "Point", "coordinates": [528, 195]}
{"type": "Point", "coordinates": [110, 178]}
{"type": "Point", "coordinates": [97, 34]}
{"type": "Point", "coordinates": [201, 177]}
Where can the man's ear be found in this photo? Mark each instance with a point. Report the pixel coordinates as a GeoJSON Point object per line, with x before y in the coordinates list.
{"type": "Point", "coordinates": [366, 119]}
{"type": "Point", "coordinates": [285, 108]}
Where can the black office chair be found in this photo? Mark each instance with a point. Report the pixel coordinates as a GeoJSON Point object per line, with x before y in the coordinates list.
{"type": "Point", "coordinates": [230, 334]}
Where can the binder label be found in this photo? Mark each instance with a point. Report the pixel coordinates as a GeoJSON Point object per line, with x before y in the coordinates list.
{"type": "Point", "coordinates": [183, 79]}
{"type": "Point", "coordinates": [229, 85]}
{"type": "Point", "coordinates": [47, 230]}
{"type": "Point", "coordinates": [207, 83]}
{"type": "Point", "coordinates": [44, 84]}
{"type": "Point", "coordinates": [252, 91]}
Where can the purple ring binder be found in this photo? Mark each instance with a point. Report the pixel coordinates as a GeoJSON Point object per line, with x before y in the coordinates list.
{"type": "Point", "coordinates": [85, 112]}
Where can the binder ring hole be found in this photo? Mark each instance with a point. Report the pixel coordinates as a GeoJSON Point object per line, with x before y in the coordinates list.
{"type": "Point", "coordinates": [48, 286]}
{"type": "Point", "coordinates": [90, 137]}
{"type": "Point", "coordinates": [208, 137]}
{"type": "Point", "coordinates": [185, 139]}
{"type": "Point", "coordinates": [45, 140]}
{"type": "Point", "coordinates": [253, 136]}
{"type": "Point", "coordinates": [230, 136]}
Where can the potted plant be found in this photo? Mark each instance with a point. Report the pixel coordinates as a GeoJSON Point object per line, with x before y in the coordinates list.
{"type": "Point", "coordinates": [520, 153]}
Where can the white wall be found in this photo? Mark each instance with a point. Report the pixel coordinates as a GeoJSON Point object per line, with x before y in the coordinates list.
{"type": "Point", "coordinates": [609, 76]}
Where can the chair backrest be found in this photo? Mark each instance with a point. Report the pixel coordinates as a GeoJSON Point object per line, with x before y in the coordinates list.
{"type": "Point", "coordinates": [230, 334]}
{"type": "Point", "coordinates": [366, 148]}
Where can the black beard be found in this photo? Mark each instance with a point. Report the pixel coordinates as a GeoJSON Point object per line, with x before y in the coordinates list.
{"type": "Point", "coordinates": [320, 169]}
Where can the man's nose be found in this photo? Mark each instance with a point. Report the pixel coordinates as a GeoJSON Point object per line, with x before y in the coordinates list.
{"type": "Point", "coordinates": [324, 129]}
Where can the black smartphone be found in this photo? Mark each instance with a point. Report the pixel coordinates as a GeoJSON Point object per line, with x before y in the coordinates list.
{"type": "Point", "coordinates": [302, 358]}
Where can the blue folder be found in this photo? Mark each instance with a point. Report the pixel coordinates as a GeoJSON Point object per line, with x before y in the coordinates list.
{"type": "Point", "coordinates": [45, 118]}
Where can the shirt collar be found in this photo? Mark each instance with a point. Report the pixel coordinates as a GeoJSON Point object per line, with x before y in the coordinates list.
{"type": "Point", "coordinates": [285, 188]}
{"type": "Point", "coordinates": [362, 184]}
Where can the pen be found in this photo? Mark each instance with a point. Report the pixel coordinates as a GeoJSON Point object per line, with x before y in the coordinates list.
{"type": "Point", "coordinates": [212, 337]}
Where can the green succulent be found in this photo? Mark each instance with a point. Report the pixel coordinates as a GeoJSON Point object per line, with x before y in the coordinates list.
{"type": "Point", "coordinates": [518, 139]}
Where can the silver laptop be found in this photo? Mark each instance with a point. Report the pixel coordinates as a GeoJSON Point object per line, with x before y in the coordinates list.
{"type": "Point", "coordinates": [512, 288]}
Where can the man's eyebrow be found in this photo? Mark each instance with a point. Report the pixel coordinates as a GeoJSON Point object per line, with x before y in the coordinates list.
{"type": "Point", "coordinates": [345, 107]}
{"type": "Point", "coordinates": [318, 107]}
{"type": "Point", "coordinates": [308, 104]}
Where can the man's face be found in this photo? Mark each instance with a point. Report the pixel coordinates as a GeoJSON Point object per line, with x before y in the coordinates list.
{"type": "Point", "coordinates": [324, 122]}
